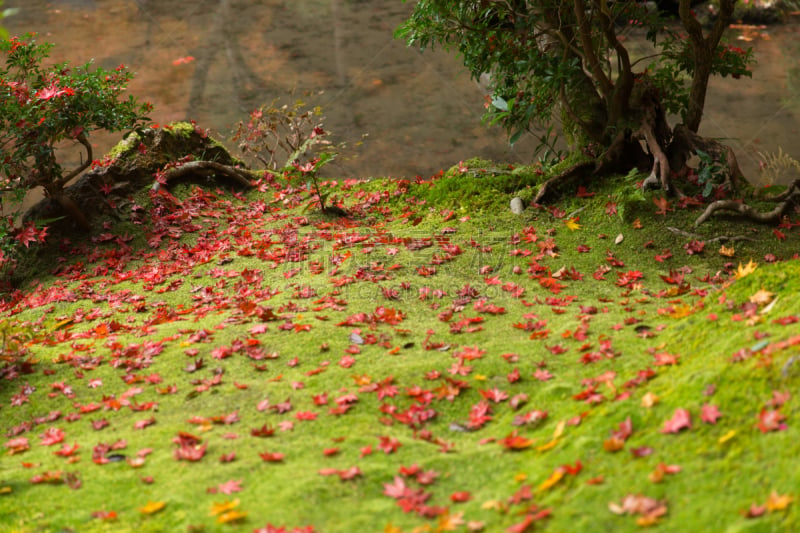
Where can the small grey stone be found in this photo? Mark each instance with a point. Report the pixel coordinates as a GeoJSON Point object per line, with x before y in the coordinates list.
{"type": "Point", "coordinates": [517, 207]}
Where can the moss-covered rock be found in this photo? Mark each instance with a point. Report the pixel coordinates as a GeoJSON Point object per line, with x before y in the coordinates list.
{"type": "Point", "coordinates": [130, 167]}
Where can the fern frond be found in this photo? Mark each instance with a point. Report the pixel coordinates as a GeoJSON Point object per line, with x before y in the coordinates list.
{"type": "Point", "coordinates": [775, 165]}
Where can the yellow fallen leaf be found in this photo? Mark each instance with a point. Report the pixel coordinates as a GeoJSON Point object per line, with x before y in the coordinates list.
{"type": "Point", "coordinates": [742, 271]}
{"type": "Point", "coordinates": [230, 516]}
{"type": "Point", "coordinates": [392, 529]}
{"type": "Point", "coordinates": [649, 400]}
{"type": "Point", "coordinates": [572, 224]}
{"type": "Point", "coordinates": [761, 297]}
{"type": "Point", "coordinates": [223, 507]}
{"type": "Point", "coordinates": [479, 377]}
{"type": "Point", "coordinates": [495, 505]}
{"type": "Point", "coordinates": [727, 436]}
{"type": "Point", "coordinates": [777, 502]}
{"type": "Point", "coordinates": [6, 490]}
{"type": "Point", "coordinates": [520, 477]}
{"type": "Point", "coordinates": [554, 478]}
{"type": "Point", "coordinates": [681, 311]}
{"type": "Point", "coordinates": [547, 446]}
{"type": "Point", "coordinates": [152, 507]}
{"type": "Point", "coordinates": [559, 429]}
{"type": "Point", "coordinates": [727, 252]}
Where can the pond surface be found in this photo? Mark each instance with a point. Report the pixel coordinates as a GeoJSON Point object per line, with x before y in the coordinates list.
{"type": "Point", "coordinates": [421, 111]}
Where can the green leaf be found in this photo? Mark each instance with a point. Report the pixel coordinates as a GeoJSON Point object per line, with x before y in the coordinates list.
{"type": "Point", "coordinates": [499, 103]}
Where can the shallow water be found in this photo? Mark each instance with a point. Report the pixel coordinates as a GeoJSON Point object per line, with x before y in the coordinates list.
{"type": "Point", "coordinates": [421, 110]}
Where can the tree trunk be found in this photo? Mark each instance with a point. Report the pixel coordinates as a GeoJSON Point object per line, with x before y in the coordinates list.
{"type": "Point", "coordinates": [703, 49]}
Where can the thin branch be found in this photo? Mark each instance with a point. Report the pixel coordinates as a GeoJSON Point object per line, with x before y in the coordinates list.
{"type": "Point", "coordinates": [81, 138]}
{"type": "Point", "coordinates": [585, 33]}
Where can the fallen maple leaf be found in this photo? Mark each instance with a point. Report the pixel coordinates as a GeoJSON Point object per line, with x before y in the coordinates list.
{"type": "Point", "coordinates": [515, 442]}
{"type": "Point", "coordinates": [662, 204]}
{"type": "Point", "coordinates": [152, 507]}
{"type": "Point", "coordinates": [742, 271]}
{"type": "Point", "coordinates": [710, 414]}
{"type": "Point", "coordinates": [223, 507]}
{"type": "Point", "coordinates": [777, 502]}
{"type": "Point", "coordinates": [52, 436]}
{"type": "Point", "coordinates": [551, 481]}
{"type": "Point", "coordinates": [272, 457]}
{"type": "Point", "coordinates": [231, 516]}
{"type": "Point", "coordinates": [770, 420]}
{"type": "Point", "coordinates": [761, 297]}
{"type": "Point", "coordinates": [228, 487]}
{"type": "Point", "coordinates": [680, 420]}
{"type": "Point", "coordinates": [17, 445]}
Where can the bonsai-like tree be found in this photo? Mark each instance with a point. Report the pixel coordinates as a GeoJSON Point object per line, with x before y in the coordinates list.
{"type": "Point", "coordinates": [570, 57]}
{"type": "Point", "coordinates": [41, 108]}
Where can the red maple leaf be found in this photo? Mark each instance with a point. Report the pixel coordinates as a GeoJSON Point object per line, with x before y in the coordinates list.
{"type": "Point", "coordinates": [389, 444]}
{"type": "Point", "coordinates": [272, 457]}
{"type": "Point", "coordinates": [264, 431]}
{"type": "Point", "coordinates": [228, 487]}
{"type": "Point", "coordinates": [396, 489]}
{"type": "Point", "coordinates": [662, 204]}
{"type": "Point", "coordinates": [681, 419]}
{"type": "Point", "coordinates": [770, 420]}
{"type": "Point", "coordinates": [710, 414]}
{"type": "Point", "coordinates": [495, 395]}
{"type": "Point", "coordinates": [29, 233]}
{"type": "Point", "coordinates": [52, 436]}
{"type": "Point", "coordinates": [515, 442]}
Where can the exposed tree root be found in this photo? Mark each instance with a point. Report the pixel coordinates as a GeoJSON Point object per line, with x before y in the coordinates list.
{"type": "Point", "coordinates": [786, 198]}
{"type": "Point", "coordinates": [792, 190]}
{"type": "Point", "coordinates": [721, 238]}
{"type": "Point", "coordinates": [566, 175]}
{"type": "Point", "coordinates": [207, 168]}
{"type": "Point", "coordinates": [748, 211]}
{"type": "Point", "coordinates": [624, 153]}
{"type": "Point", "coordinates": [73, 210]}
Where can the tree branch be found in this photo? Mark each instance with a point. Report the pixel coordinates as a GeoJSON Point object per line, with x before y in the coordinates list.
{"type": "Point", "coordinates": [81, 138]}
{"type": "Point", "coordinates": [585, 34]}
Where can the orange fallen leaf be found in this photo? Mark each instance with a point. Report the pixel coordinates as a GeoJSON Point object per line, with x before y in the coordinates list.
{"type": "Point", "coordinates": [223, 507]}
{"type": "Point", "coordinates": [547, 446]}
{"type": "Point", "coordinates": [777, 502]}
{"type": "Point", "coordinates": [152, 507]}
{"type": "Point", "coordinates": [554, 478]}
{"type": "Point", "coordinates": [231, 516]}
{"type": "Point", "coordinates": [613, 444]}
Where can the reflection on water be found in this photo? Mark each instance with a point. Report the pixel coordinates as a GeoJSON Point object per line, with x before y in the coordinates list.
{"type": "Point", "coordinates": [215, 60]}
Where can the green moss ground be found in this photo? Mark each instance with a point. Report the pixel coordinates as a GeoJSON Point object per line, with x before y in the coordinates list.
{"type": "Point", "coordinates": [227, 262]}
